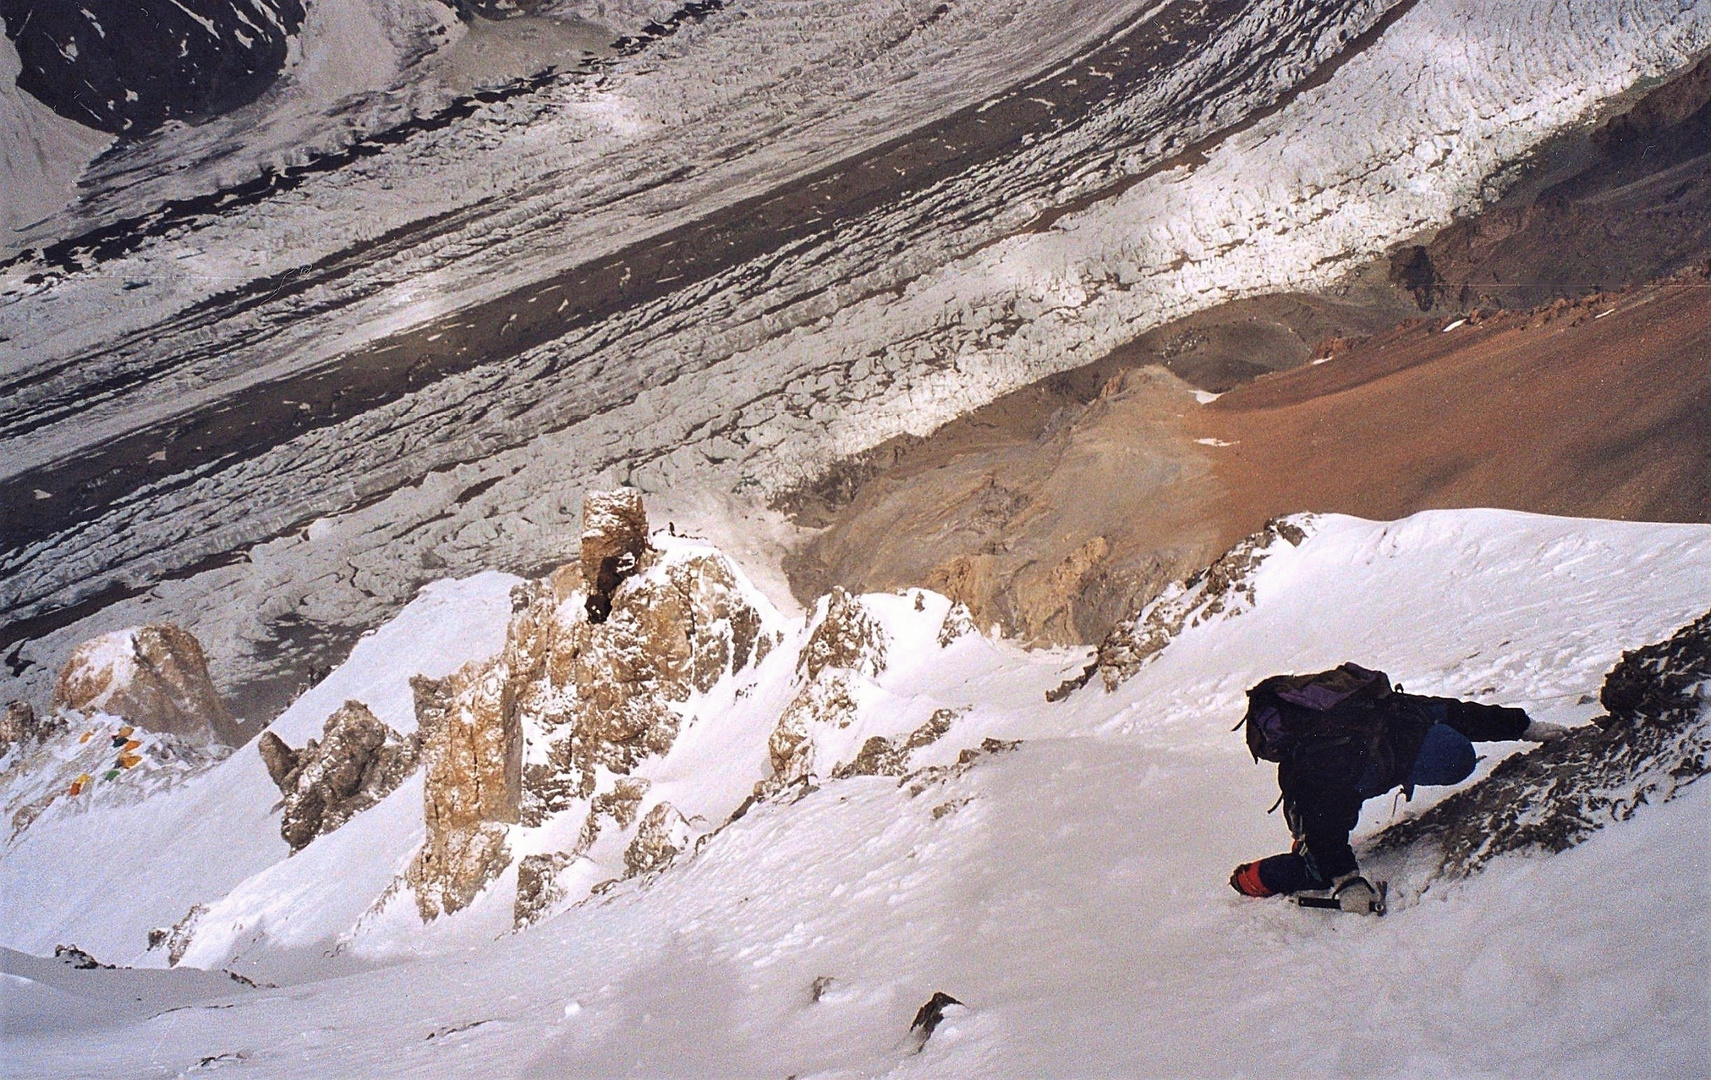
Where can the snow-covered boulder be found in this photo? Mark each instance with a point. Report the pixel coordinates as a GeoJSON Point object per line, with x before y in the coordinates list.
{"type": "Point", "coordinates": [154, 676]}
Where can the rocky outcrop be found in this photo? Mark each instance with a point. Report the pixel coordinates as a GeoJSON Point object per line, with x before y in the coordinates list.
{"type": "Point", "coordinates": [176, 939]}
{"type": "Point", "coordinates": [1223, 588]}
{"type": "Point", "coordinates": [847, 643]}
{"type": "Point", "coordinates": [614, 538]}
{"type": "Point", "coordinates": [1654, 742]}
{"type": "Point", "coordinates": [472, 751]}
{"type": "Point", "coordinates": [357, 762]}
{"type": "Point", "coordinates": [662, 835]}
{"type": "Point", "coordinates": [155, 676]}
{"type": "Point", "coordinates": [22, 730]}
{"type": "Point", "coordinates": [1624, 204]}
{"type": "Point", "coordinates": [538, 889]}
{"type": "Point", "coordinates": [880, 756]}
{"type": "Point", "coordinates": [601, 664]}
{"type": "Point", "coordinates": [847, 637]}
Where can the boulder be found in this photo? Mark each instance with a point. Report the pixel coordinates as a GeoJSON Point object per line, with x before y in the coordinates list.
{"type": "Point", "coordinates": [357, 762]}
{"type": "Point", "coordinates": [22, 729]}
{"type": "Point", "coordinates": [155, 676]}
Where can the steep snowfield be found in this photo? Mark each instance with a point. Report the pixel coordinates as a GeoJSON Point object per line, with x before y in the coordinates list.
{"type": "Point", "coordinates": [1070, 890]}
{"type": "Point", "coordinates": [58, 880]}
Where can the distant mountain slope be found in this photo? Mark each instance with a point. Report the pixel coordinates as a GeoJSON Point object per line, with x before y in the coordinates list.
{"type": "Point", "coordinates": [125, 67]}
{"type": "Point", "coordinates": [1060, 505]}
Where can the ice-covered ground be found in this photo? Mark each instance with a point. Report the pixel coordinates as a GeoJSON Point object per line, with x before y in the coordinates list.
{"type": "Point", "coordinates": [1069, 891]}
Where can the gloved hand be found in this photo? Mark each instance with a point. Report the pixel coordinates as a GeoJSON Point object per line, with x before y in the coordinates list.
{"type": "Point", "coordinates": [1355, 894]}
{"type": "Point", "coordinates": [1539, 731]}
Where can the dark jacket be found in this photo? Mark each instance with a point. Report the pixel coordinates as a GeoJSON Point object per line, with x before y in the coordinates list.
{"type": "Point", "coordinates": [1324, 781]}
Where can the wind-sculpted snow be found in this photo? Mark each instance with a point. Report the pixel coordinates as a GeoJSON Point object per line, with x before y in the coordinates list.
{"type": "Point", "coordinates": [1060, 869]}
{"type": "Point", "coordinates": [754, 376]}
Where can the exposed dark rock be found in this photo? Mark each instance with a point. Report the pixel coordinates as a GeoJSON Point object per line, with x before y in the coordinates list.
{"type": "Point", "coordinates": [922, 779]}
{"type": "Point", "coordinates": [77, 958]}
{"type": "Point", "coordinates": [127, 66]}
{"type": "Point", "coordinates": [614, 538]}
{"type": "Point", "coordinates": [662, 835]}
{"type": "Point", "coordinates": [927, 1018]}
{"type": "Point", "coordinates": [1629, 203]}
{"type": "Point", "coordinates": [1412, 269]}
{"type": "Point", "coordinates": [847, 638]}
{"type": "Point", "coordinates": [357, 762]}
{"type": "Point", "coordinates": [1655, 742]}
{"type": "Point", "coordinates": [176, 938]}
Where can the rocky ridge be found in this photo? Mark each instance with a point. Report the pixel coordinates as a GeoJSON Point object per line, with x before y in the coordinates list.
{"type": "Point", "coordinates": [1654, 741]}
{"type": "Point", "coordinates": [547, 757]}
{"type": "Point", "coordinates": [1222, 590]}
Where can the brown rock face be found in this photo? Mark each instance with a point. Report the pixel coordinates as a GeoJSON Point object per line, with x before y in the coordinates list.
{"type": "Point", "coordinates": [663, 833]}
{"type": "Point", "coordinates": [154, 676]}
{"type": "Point", "coordinates": [603, 694]}
{"type": "Point", "coordinates": [472, 747]}
{"type": "Point", "coordinates": [21, 728]}
{"type": "Point", "coordinates": [848, 637]}
{"type": "Point", "coordinates": [848, 642]}
{"type": "Point", "coordinates": [357, 762]}
{"type": "Point", "coordinates": [614, 538]}
{"type": "Point", "coordinates": [580, 692]}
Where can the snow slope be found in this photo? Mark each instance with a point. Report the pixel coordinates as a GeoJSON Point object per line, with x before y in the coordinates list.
{"type": "Point", "coordinates": [1069, 891]}
{"type": "Point", "coordinates": [194, 843]}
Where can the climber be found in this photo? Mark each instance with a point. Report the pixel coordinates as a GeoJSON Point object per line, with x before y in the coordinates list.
{"type": "Point", "coordinates": [1343, 736]}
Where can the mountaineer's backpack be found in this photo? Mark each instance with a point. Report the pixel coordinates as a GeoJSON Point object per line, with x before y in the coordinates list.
{"type": "Point", "coordinates": [1346, 702]}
